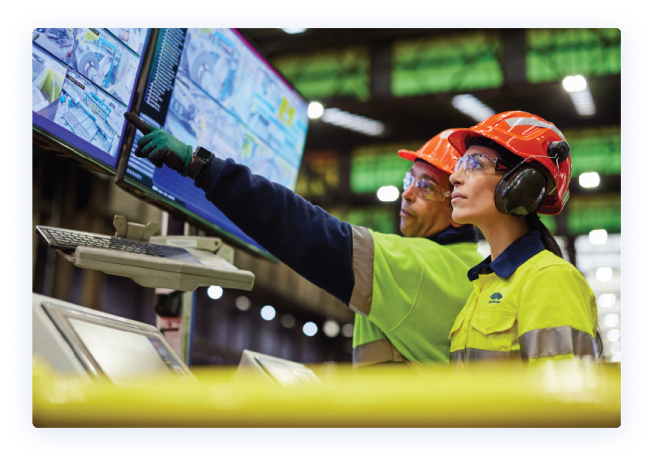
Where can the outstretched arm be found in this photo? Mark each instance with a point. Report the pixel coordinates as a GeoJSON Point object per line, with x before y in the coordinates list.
{"type": "Point", "coordinates": [309, 240]}
{"type": "Point", "coordinates": [305, 237]}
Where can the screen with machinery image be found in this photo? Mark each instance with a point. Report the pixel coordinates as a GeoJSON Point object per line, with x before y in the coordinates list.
{"type": "Point", "coordinates": [211, 88]}
{"type": "Point", "coordinates": [83, 81]}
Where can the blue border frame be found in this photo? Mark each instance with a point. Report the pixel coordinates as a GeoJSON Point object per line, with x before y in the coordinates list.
{"type": "Point", "coordinates": [323, 442]}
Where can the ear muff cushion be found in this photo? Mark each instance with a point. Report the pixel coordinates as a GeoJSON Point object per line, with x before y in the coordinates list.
{"type": "Point", "coordinates": [520, 192]}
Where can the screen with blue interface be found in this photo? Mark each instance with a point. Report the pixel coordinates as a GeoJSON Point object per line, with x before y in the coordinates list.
{"type": "Point", "coordinates": [83, 81]}
{"type": "Point", "coordinates": [210, 88]}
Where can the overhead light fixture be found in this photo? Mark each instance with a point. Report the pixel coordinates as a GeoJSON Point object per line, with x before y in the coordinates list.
{"type": "Point", "coordinates": [242, 302]}
{"type": "Point", "coordinates": [607, 300]}
{"type": "Point", "coordinates": [388, 193]}
{"type": "Point", "coordinates": [580, 94]}
{"type": "Point", "coordinates": [214, 292]}
{"type": "Point", "coordinates": [268, 313]}
{"type": "Point", "coordinates": [598, 237]}
{"type": "Point", "coordinates": [352, 121]}
{"type": "Point", "coordinates": [604, 274]}
{"type": "Point", "coordinates": [347, 330]}
{"type": "Point", "coordinates": [611, 320]}
{"type": "Point", "coordinates": [288, 321]}
{"type": "Point", "coordinates": [315, 110]}
{"type": "Point", "coordinates": [614, 335]}
{"type": "Point", "coordinates": [331, 328]}
{"type": "Point", "coordinates": [473, 107]}
{"type": "Point", "coordinates": [589, 179]}
{"type": "Point", "coordinates": [310, 329]}
{"type": "Point", "coordinates": [294, 30]}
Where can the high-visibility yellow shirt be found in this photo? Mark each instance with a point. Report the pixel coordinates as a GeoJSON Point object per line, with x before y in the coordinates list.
{"type": "Point", "coordinates": [528, 304]}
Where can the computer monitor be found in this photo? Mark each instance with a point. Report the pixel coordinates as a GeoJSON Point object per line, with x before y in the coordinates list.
{"type": "Point", "coordinates": [81, 340]}
{"type": "Point", "coordinates": [277, 370]}
{"type": "Point", "coordinates": [211, 88]}
{"type": "Point", "coordinates": [83, 81]}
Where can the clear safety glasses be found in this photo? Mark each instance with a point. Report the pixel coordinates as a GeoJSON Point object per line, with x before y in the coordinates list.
{"type": "Point", "coordinates": [426, 189]}
{"type": "Point", "coordinates": [478, 162]}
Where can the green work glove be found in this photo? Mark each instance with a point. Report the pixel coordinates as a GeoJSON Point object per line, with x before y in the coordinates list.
{"type": "Point", "coordinates": [162, 148]}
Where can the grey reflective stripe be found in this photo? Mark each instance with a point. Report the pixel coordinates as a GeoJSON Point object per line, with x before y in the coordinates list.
{"type": "Point", "coordinates": [474, 355]}
{"type": "Point", "coordinates": [457, 357]}
{"type": "Point", "coordinates": [376, 352]}
{"type": "Point", "coordinates": [363, 255]}
{"type": "Point", "coordinates": [533, 122]}
{"type": "Point", "coordinates": [556, 341]}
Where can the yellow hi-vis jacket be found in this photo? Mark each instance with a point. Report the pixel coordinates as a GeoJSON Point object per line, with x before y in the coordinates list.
{"type": "Point", "coordinates": [528, 304]}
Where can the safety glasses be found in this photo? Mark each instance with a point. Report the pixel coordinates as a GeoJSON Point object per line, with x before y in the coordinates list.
{"type": "Point", "coordinates": [426, 189]}
{"type": "Point", "coordinates": [478, 162]}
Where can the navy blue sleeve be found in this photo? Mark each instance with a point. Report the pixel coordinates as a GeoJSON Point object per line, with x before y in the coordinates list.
{"type": "Point", "coordinates": [305, 237]}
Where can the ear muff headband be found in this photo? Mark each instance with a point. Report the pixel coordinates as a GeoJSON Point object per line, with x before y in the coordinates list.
{"type": "Point", "coordinates": [521, 191]}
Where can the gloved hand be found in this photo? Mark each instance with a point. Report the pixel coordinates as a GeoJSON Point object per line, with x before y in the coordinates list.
{"type": "Point", "coordinates": [162, 148]}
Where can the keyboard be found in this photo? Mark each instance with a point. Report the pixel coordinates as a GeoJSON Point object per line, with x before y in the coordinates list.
{"type": "Point", "coordinates": [69, 240]}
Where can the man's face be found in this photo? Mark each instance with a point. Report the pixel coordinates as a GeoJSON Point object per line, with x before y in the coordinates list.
{"type": "Point", "coordinates": [420, 217]}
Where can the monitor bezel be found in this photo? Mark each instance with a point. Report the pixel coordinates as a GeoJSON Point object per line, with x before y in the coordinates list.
{"type": "Point", "coordinates": [60, 315]}
{"type": "Point", "coordinates": [158, 200]}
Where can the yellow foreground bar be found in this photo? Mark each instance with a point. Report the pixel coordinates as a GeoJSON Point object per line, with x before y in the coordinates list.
{"type": "Point", "coordinates": [572, 394]}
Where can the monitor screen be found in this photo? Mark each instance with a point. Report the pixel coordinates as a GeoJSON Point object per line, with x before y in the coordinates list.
{"type": "Point", "coordinates": [83, 81]}
{"type": "Point", "coordinates": [211, 88]}
{"type": "Point", "coordinates": [110, 346]}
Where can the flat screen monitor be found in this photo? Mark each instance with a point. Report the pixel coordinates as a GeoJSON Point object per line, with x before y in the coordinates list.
{"type": "Point", "coordinates": [83, 81]}
{"type": "Point", "coordinates": [211, 88]}
{"type": "Point", "coordinates": [113, 347]}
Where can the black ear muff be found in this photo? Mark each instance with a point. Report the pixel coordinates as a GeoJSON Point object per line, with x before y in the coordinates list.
{"type": "Point", "coordinates": [521, 191]}
{"type": "Point", "coordinates": [558, 150]}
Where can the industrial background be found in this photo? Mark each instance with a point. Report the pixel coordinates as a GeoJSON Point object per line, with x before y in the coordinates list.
{"type": "Point", "coordinates": [381, 90]}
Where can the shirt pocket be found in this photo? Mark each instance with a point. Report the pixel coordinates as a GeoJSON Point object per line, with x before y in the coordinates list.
{"type": "Point", "coordinates": [457, 322]}
{"type": "Point", "coordinates": [496, 328]}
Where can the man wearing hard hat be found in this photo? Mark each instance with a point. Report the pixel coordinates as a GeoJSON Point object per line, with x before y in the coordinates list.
{"type": "Point", "coordinates": [406, 291]}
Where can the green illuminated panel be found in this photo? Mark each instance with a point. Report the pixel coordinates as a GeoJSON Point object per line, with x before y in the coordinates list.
{"type": "Point", "coordinates": [376, 166]}
{"type": "Point", "coordinates": [379, 219]}
{"type": "Point", "coordinates": [327, 74]}
{"type": "Point", "coordinates": [553, 54]}
{"type": "Point", "coordinates": [595, 149]}
{"type": "Point", "coordinates": [586, 214]}
{"type": "Point", "coordinates": [445, 64]}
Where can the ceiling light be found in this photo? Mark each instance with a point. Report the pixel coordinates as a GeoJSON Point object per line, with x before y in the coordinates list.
{"type": "Point", "coordinates": [604, 274]}
{"type": "Point", "coordinates": [589, 179]}
{"type": "Point", "coordinates": [598, 237]}
{"type": "Point", "coordinates": [315, 110]}
{"type": "Point", "coordinates": [611, 320]}
{"type": "Point", "coordinates": [616, 357]}
{"type": "Point", "coordinates": [470, 105]}
{"type": "Point", "coordinates": [243, 303]}
{"type": "Point", "coordinates": [352, 121]}
{"type": "Point", "coordinates": [388, 193]}
{"type": "Point", "coordinates": [615, 347]}
{"type": "Point", "coordinates": [288, 321]}
{"type": "Point", "coordinates": [580, 95]}
{"type": "Point", "coordinates": [613, 335]}
{"type": "Point", "coordinates": [310, 329]}
{"type": "Point", "coordinates": [574, 83]}
{"type": "Point", "coordinates": [214, 292]}
{"type": "Point", "coordinates": [347, 330]}
{"type": "Point", "coordinates": [268, 313]}
{"type": "Point", "coordinates": [606, 300]}
{"type": "Point", "coordinates": [331, 328]}
{"type": "Point", "coordinates": [294, 30]}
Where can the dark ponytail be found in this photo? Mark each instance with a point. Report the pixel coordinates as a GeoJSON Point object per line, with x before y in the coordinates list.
{"type": "Point", "coordinates": [533, 222]}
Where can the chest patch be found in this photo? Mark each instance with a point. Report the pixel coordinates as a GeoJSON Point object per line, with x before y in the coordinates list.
{"type": "Point", "coordinates": [495, 297]}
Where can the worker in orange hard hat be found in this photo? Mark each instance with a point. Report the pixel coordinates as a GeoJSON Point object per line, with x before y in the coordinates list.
{"type": "Point", "coordinates": [405, 291]}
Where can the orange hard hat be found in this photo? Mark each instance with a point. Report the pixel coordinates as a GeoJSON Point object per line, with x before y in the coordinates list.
{"type": "Point", "coordinates": [531, 138]}
{"type": "Point", "coordinates": [438, 152]}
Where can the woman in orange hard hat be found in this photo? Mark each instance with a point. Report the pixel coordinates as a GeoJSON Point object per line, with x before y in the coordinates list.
{"type": "Point", "coordinates": [527, 302]}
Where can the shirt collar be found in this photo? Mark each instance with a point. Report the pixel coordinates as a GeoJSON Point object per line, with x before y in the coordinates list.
{"type": "Point", "coordinates": [512, 258]}
{"type": "Point", "coordinates": [451, 234]}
